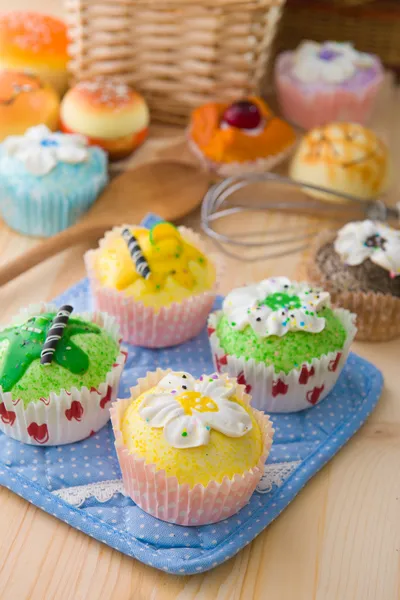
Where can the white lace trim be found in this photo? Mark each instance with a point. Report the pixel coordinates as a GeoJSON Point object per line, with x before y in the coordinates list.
{"type": "Point", "coordinates": [102, 492]}
{"type": "Point", "coordinates": [274, 475]}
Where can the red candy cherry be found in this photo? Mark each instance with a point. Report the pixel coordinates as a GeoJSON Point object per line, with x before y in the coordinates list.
{"type": "Point", "coordinates": [242, 115]}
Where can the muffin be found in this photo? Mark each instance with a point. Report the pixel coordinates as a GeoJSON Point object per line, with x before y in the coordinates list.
{"type": "Point", "coordinates": [34, 43]}
{"type": "Point", "coordinates": [108, 113]}
{"type": "Point", "coordinates": [360, 266]}
{"type": "Point", "coordinates": [58, 374]}
{"type": "Point", "coordinates": [48, 180]}
{"type": "Point", "coordinates": [320, 83]}
{"type": "Point", "coordinates": [343, 157]}
{"type": "Point", "coordinates": [238, 138]}
{"type": "Point", "coordinates": [283, 341]}
{"type": "Point", "coordinates": [25, 101]}
{"type": "Point", "coordinates": [158, 283]}
{"type": "Point", "coordinates": [191, 451]}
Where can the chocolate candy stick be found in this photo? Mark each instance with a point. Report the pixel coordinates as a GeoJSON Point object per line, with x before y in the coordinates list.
{"type": "Point", "coordinates": [55, 333]}
{"type": "Point", "coordinates": [141, 264]}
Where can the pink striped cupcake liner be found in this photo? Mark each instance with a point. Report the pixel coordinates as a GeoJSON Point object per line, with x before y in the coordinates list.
{"type": "Point", "coordinates": [297, 390]}
{"type": "Point", "coordinates": [145, 326]}
{"type": "Point", "coordinates": [163, 496]}
{"type": "Point", "coordinates": [70, 415]}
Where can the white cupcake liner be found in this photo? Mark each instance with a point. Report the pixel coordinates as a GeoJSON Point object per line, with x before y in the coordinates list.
{"type": "Point", "coordinates": [260, 165]}
{"type": "Point", "coordinates": [163, 496]}
{"type": "Point", "coordinates": [71, 415]}
{"type": "Point", "coordinates": [145, 326]}
{"type": "Point", "coordinates": [280, 392]}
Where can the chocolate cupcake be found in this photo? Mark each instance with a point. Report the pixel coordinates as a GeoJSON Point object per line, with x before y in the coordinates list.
{"type": "Point", "coordinates": [360, 267]}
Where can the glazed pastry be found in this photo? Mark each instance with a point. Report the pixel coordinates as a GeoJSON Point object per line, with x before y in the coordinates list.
{"type": "Point", "coordinates": [242, 137]}
{"type": "Point", "coordinates": [48, 180]}
{"type": "Point", "coordinates": [195, 446]}
{"type": "Point", "coordinates": [283, 341]}
{"type": "Point", "coordinates": [25, 101]}
{"type": "Point", "coordinates": [34, 43]}
{"type": "Point", "coordinates": [58, 374]}
{"type": "Point", "coordinates": [320, 83]}
{"type": "Point", "coordinates": [344, 157]}
{"type": "Point", "coordinates": [158, 283]}
{"type": "Point", "coordinates": [109, 114]}
{"type": "Point", "coordinates": [360, 266]}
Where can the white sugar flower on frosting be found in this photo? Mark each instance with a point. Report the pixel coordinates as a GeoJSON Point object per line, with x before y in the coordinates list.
{"type": "Point", "coordinates": [187, 409]}
{"type": "Point", "coordinates": [362, 240]}
{"type": "Point", "coordinates": [275, 306]}
{"type": "Point", "coordinates": [331, 62]}
{"type": "Point", "coordinates": [40, 150]}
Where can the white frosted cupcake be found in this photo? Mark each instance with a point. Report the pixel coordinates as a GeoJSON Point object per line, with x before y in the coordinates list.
{"type": "Point", "coordinates": [281, 340]}
{"type": "Point", "coordinates": [191, 451]}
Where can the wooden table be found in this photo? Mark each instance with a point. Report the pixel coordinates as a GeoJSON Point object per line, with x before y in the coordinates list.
{"type": "Point", "coordinates": [339, 540]}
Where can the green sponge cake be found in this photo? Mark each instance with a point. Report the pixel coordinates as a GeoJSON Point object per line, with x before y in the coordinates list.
{"type": "Point", "coordinates": [58, 374]}
{"type": "Point", "coordinates": [283, 341]}
{"type": "Point", "coordinates": [285, 353]}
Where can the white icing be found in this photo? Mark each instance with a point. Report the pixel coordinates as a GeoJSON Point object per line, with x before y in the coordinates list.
{"type": "Point", "coordinates": [162, 408]}
{"type": "Point", "coordinates": [245, 307]}
{"type": "Point", "coordinates": [40, 150]}
{"type": "Point", "coordinates": [309, 67]}
{"type": "Point", "coordinates": [352, 245]}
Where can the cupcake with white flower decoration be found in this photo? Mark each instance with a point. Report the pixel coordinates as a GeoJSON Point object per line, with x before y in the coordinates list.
{"type": "Point", "coordinates": [191, 451]}
{"type": "Point", "coordinates": [360, 266]}
{"type": "Point", "coordinates": [332, 81]}
{"type": "Point", "coordinates": [48, 180]}
{"type": "Point", "coordinates": [283, 341]}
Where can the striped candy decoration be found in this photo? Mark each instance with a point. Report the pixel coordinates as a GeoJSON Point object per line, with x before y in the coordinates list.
{"type": "Point", "coordinates": [141, 264]}
{"type": "Point", "coordinates": [55, 333]}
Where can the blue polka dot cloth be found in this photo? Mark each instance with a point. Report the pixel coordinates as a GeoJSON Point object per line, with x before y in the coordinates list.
{"type": "Point", "coordinates": [81, 483]}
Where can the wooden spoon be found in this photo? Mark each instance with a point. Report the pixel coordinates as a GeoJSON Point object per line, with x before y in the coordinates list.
{"type": "Point", "coordinates": [168, 188]}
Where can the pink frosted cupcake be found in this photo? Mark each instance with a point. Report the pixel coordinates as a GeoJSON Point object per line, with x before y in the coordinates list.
{"type": "Point", "coordinates": [319, 83]}
{"type": "Point", "coordinates": [158, 283]}
{"type": "Point", "coordinates": [191, 451]}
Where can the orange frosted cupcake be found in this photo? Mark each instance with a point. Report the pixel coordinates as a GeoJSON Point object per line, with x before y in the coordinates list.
{"type": "Point", "coordinates": [25, 101]}
{"type": "Point", "coordinates": [110, 114]}
{"type": "Point", "coordinates": [241, 137]}
{"type": "Point", "coordinates": [35, 43]}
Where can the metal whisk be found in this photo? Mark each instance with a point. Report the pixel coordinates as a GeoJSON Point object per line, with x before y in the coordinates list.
{"type": "Point", "coordinates": [285, 197]}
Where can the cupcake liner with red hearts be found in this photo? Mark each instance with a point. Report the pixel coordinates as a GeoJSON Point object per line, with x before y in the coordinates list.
{"type": "Point", "coordinates": [145, 326]}
{"type": "Point", "coordinates": [284, 392]}
{"type": "Point", "coordinates": [163, 496]}
{"type": "Point", "coordinates": [70, 415]}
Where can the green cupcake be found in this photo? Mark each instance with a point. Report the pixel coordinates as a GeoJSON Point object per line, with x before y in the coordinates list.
{"type": "Point", "coordinates": [57, 374]}
{"type": "Point", "coordinates": [283, 340]}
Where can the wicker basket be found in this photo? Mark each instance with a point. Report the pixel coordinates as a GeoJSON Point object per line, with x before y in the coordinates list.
{"type": "Point", "coordinates": [373, 27]}
{"type": "Point", "coordinates": [177, 53]}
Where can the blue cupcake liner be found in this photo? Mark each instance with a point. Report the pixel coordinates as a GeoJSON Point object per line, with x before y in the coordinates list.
{"type": "Point", "coordinates": [43, 210]}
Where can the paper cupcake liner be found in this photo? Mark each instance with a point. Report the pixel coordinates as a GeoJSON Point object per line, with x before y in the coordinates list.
{"type": "Point", "coordinates": [378, 315]}
{"type": "Point", "coordinates": [145, 326]}
{"type": "Point", "coordinates": [70, 415]}
{"type": "Point", "coordinates": [315, 107]}
{"type": "Point", "coordinates": [48, 213]}
{"type": "Point", "coordinates": [261, 165]}
{"type": "Point", "coordinates": [280, 392]}
{"type": "Point", "coordinates": [162, 496]}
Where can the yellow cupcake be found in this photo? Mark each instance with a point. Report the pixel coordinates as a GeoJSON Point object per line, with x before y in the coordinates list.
{"type": "Point", "coordinates": [178, 270]}
{"type": "Point", "coordinates": [195, 430]}
{"type": "Point", "coordinates": [191, 451]}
